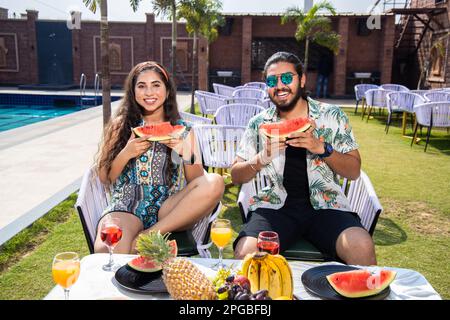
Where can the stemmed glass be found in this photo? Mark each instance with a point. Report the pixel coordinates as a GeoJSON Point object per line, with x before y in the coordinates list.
{"type": "Point", "coordinates": [268, 241]}
{"type": "Point", "coordinates": [111, 233]}
{"type": "Point", "coordinates": [65, 270]}
{"type": "Point", "coordinates": [221, 233]}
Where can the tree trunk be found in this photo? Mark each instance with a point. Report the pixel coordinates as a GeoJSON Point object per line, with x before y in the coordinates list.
{"type": "Point", "coordinates": [194, 70]}
{"type": "Point", "coordinates": [305, 63]}
{"type": "Point", "coordinates": [173, 52]}
{"type": "Point", "coordinates": [104, 51]}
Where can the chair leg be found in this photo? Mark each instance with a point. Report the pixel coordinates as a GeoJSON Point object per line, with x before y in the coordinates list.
{"type": "Point", "coordinates": [368, 115]}
{"type": "Point", "coordinates": [388, 123]}
{"type": "Point", "coordinates": [428, 138]}
{"type": "Point", "coordinates": [416, 125]}
{"type": "Point", "coordinates": [363, 110]}
{"type": "Point", "coordinates": [356, 108]}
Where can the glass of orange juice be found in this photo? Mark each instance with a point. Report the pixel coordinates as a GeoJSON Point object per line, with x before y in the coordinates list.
{"type": "Point", "coordinates": [221, 233]}
{"type": "Point", "coordinates": [65, 270]}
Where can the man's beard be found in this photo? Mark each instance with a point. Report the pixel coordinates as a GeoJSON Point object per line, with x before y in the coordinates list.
{"type": "Point", "coordinates": [289, 105]}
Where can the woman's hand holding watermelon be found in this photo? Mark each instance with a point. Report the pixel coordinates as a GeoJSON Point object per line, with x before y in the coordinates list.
{"type": "Point", "coordinates": [135, 146]}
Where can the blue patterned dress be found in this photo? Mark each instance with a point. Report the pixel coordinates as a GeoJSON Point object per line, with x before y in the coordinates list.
{"type": "Point", "coordinates": [143, 185]}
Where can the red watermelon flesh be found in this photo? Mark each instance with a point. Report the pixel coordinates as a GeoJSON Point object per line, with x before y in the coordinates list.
{"type": "Point", "coordinates": [360, 283]}
{"type": "Point", "coordinates": [284, 128]}
{"type": "Point", "coordinates": [159, 131]}
{"type": "Point", "coordinates": [147, 264]}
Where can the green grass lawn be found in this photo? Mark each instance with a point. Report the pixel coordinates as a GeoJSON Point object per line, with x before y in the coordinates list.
{"type": "Point", "coordinates": [412, 232]}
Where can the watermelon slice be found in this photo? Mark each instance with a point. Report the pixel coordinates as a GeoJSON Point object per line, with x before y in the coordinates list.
{"type": "Point", "coordinates": [147, 264]}
{"type": "Point", "coordinates": [284, 128]}
{"type": "Point", "coordinates": [159, 131]}
{"type": "Point", "coordinates": [360, 283]}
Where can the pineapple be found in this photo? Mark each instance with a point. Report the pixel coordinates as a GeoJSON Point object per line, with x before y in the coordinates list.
{"type": "Point", "coordinates": [184, 281]}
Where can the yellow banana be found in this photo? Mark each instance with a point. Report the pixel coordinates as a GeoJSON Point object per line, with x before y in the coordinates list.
{"type": "Point", "coordinates": [264, 281]}
{"type": "Point", "coordinates": [286, 275]}
{"type": "Point", "coordinates": [275, 278]}
{"type": "Point", "coordinates": [253, 275]}
{"type": "Point", "coordinates": [246, 264]}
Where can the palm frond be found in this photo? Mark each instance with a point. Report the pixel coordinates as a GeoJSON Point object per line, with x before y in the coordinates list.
{"type": "Point", "coordinates": [135, 4]}
{"type": "Point", "coordinates": [91, 5]}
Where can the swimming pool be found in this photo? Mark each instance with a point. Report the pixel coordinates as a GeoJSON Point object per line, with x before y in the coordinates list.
{"type": "Point", "coordinates": [18, 110]}
{"type": "Point", "coordinates": [12, 117]}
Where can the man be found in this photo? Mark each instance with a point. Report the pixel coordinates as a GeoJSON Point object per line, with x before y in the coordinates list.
{"type": "Point", "coordinates": [303, 198]}
{"type": "Point", "coordinates": [324, 68]}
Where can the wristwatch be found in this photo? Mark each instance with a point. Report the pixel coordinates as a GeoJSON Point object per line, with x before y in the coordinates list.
{"type": "Point", "coordinates": [328, 150]}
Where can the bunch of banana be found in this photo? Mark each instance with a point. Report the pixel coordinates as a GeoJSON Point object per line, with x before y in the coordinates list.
{"type": "Point", "coordinates": [269, 272]}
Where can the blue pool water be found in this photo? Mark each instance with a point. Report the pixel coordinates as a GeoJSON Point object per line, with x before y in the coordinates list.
{"type": "Point", "coordinates": [18, 110]}
{"type": "Point", "coordinates": [14, 116]}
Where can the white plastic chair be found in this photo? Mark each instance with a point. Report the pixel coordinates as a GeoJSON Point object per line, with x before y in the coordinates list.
{"type": "Point", "coordinates": [360, 193]}
{"type": "Point", "coordinates": [399, 102]}
{"type": "Point", "coordinates": [437, 96]}
{"type": "Point", "coordinates": [431, 114]}
{"type": "Point", "coordinates": [360, 90]}
{"type": "Point", "coordinates": [267, 103]}
{"type": "Point", "coordinates": [209, 102]}
{"type": "Point", "coordinates": [419, 92]}
{"type": "Point", "coordinates": [218, 144]}
{"type": "Point", "coordinates": [193, 119]}
{"type": "Point", "coordinates": [248, 100]}
{"type": "Point", "coordinates": [249, 93]}
{"type": "Point", "coordinates": [394, 87]}
{"type": "Point", "coordinates": [256, 84]}
{"type": "Point", "coordinates": [223, 89]}
{"type": "Point", "coordinates": [93, 199]}
{"type": "Point", "coordinates": [236, 114]}
{"type": "Point", "coordinates": [375, 98]}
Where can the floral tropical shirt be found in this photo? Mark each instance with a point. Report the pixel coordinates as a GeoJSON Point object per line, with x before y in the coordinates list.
{"type": "Point", "coordinates": [332, 126]}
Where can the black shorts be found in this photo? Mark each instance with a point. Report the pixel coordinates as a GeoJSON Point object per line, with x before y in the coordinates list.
{"type": "Point", "coordinates": [297, 218]}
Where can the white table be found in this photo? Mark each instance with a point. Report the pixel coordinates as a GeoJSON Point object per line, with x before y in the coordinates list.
{"type": "Point", "coordinates": [94, 283]}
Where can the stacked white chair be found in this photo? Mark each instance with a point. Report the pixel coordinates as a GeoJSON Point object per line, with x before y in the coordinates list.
{"type": "Point", "coordinates": [394, 87]}
{"type": "Point", "coordinates": [399, 101]}
{"type": "Point", "coordinates": [375, 98]}
{"type": "Point", "coordinates": [193, 119]}
{"type": "Point", "coordinates": [218, 144]}
{"type": "Point", "coordinates": [267, 103]}
{"type": "Point", "coordinates": [236, 114]}
{"type": "Point", "coordinates": [437, 96]}
{"type": "Point", "coordinates": [223, 89]}
{"type": "Point", "coordinates": [249, 93]}
{"type": "Point", "coordinates": [360, 90]}
{"type": "Point", "coordinates": [419, 92]}
{"type": "Point", "coordinates": [248, 100]}
{"type": "Point", "coordinates": [431, 114]}
{"type": "Point", "coordinates": [258, 85]}
{"type": "Point", "coordinates": [209, 102]}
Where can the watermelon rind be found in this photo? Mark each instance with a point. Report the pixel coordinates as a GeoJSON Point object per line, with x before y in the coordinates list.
{"type": "Point", "coordinates": [147, 264]}
{"type": "Point", "coordinates": [169, 131]}
{"type": "Point", "coordinates": [283, 127]}
{"type": "Point", "coordinates": [360, 283]}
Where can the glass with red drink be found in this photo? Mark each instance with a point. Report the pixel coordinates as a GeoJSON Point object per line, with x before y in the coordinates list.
{"type": "Point", "coordinates": [110, 233]}
{"type": "Point", "coordinates": [269, 242]}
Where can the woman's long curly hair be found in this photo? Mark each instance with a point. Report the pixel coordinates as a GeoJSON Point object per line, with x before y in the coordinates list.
{"type": "Point", "coordinates": [130, 113]}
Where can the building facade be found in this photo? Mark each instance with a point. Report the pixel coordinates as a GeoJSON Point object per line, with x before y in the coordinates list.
{"type": "Point", "coordinates": [51, 53]}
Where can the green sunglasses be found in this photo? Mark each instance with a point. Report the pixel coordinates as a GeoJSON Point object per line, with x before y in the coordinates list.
{"type": "Point", "coordinates": [286, 78]}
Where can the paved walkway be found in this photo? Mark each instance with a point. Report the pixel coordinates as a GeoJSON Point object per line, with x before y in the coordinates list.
{"type": "Point", "coordinates": [43, 163]}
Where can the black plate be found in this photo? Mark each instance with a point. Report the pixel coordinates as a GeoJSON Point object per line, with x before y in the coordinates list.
{"type": "Point", "coordinates": [140, 282]}
{"type": "Point", "coordinates": [315, 282]}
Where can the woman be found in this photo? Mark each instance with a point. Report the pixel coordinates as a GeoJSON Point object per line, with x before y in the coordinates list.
{"type": "Point", "coordinates": [147, 179]}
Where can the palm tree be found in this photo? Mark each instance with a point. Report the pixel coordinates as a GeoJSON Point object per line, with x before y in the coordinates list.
{"type": "Point", "coordinates": [165, 8]}
{"type": "Point", "coordinates": [104, 52]}
{"type": "Point", "coordinates": [202, 18]}
{"type": "Point", "coordinates": [313, 27]}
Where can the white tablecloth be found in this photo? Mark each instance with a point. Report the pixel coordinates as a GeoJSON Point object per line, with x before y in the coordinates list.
{"type": "Point", "coordinates": [94, 283]}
